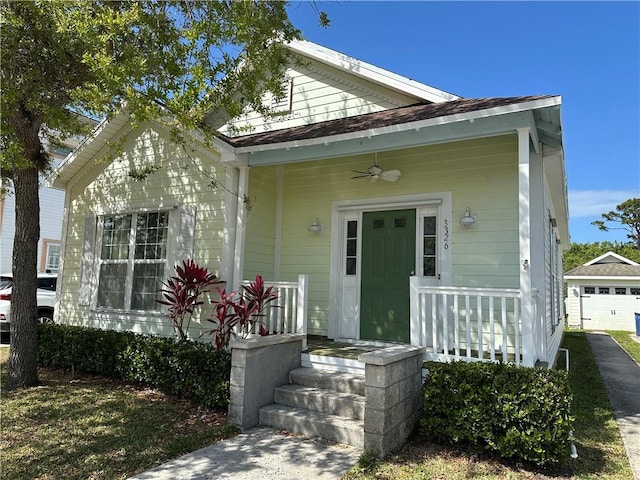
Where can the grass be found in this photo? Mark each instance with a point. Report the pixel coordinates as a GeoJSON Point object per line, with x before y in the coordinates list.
{"type": "Point", "coordinates": [601, 453]}
{"type": "Point", "coordinates": [625, 341]}
{"type": "Point", "coordinates": [95, 428]}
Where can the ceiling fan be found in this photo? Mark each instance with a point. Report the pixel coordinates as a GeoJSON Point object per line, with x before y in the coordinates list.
{"type": "Point", "coordinates": [374, 172]}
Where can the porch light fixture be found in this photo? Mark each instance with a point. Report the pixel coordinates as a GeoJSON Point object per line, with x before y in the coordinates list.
{"type": "Point", "coordinates": [316, 227]}
{"type": "Point", "coordinates": [468, 220]}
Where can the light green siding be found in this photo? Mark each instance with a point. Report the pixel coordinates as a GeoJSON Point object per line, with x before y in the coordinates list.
{"type": "Point", "coordinates": [481, 174]}
{"type": "Point", "coordinates": [323, 93]}
{"type": "Point", "coordinates": [106, 187]}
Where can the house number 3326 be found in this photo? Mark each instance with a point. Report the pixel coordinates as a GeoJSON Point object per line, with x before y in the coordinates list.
{"type": "Point", "coordinates": [446, 234]}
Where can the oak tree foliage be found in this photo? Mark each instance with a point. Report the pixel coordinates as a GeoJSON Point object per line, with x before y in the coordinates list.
{"type": "Point", "coordinates": [171, 61]}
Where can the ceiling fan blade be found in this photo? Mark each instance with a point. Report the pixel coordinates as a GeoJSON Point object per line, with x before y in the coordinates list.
{"type": "Point", "coordinates": [361, 176]}
{"type": "Point", "coordinates": [358, 171]}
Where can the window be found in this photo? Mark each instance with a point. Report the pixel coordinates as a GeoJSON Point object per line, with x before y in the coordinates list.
{"type": "Point", "coordinates": [589, 290]}
{"type": "Point", "coordinates": [53, 257]}
{"type": "Point", "coordinates": [603, 290]}
{"type": "Point", "coordinates": [621, 291]}
{"type": "Point", "coordinates": [352, 247]}
{"type": "Point", "coordinates": [429, 241]}
{"type": "Point", "coordinates": [132, 260]}
{"type": "Point", "coordinates": [634, 291]}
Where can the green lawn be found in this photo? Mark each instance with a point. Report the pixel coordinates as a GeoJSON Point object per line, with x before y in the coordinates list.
{"type": "Point", "coordinates": [600, 450]}
{"type": "Point", "coordinates": [625, 341]}
{"type": "Point", "coordinates": [96, 428]}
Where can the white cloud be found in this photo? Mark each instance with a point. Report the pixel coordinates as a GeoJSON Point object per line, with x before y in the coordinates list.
{"type": "Point", "coordinates": [593, 203]}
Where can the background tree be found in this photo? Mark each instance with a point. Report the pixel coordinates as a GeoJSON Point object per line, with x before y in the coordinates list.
{"type": "Point", "coordinates": [627, 215]}
{"type": "Point", "coordinates": [172, 61]}
{"type": "Point", "coordinates": [581, 253]}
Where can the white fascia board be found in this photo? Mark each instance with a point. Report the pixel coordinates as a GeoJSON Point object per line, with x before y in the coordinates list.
{"type": "Point", "coordinates": [418, 125]}
{"type": "Point", "coordinates": [81, 155]}
{"type": "Point", "coordinates": [602, 277]}
{"type": "Point", "coordinates": [614, 255]}
{"type": "Point", "coordinates": [370, 72]}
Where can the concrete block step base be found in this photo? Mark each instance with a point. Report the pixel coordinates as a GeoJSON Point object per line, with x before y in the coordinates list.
{"type": "Point", "coordinates": [328, 380]}
{"type": "Point", "coordinates": [314, 424]}
{"type": "Point", "coordinates": [319, 400]}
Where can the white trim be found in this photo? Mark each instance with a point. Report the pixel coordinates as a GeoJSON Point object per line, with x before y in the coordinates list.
{"type": "Point", "coordinates": [340, 210]}
{"type": "Point", "coordinates": [230, 213]}
{"type": "Point", "coordinates": [63, 248]}
{"type": "Point", "coordinates": [524, 241]}
{"type": "Point", "coordinates": [614, 255]}
{"type": "Point", "coordinates": [602, 277]}
{"type": "Point", "coordinates": [279, 221]}
{"type": "Point", "coordinates": [370, 72]}
{"type": "Point", "coordinates": [241, 228]}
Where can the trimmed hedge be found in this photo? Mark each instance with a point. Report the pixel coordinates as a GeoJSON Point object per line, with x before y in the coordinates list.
{"type": "Point", "coordinates": [513, 411]}
{"type": "Point", "coordinates": [187, 369]}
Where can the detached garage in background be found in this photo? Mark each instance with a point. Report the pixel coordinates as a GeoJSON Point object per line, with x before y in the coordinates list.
{"type": "Point", "coordinates": [604, 294]}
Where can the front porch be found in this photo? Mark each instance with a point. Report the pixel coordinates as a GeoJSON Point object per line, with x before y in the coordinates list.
{"type": "Point", "coordinates": [448, 323]}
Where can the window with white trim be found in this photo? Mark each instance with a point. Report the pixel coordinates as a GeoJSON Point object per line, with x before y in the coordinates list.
{"type": "Point", "coordinates": [52, 261]}
{"type": "Point", "coordinates": [282, 104]}
{"type": "Point", "coordinates": [132, 260]}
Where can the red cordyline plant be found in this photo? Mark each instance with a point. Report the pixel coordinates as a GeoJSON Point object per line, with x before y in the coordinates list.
{"type": "Point", "coordinates": [182, 293]}
{"type": "Point", "coordinates": [240, 313]}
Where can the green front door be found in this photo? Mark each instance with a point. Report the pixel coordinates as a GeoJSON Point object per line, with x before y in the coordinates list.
{"type": "Point", "coordinates": [388, 259]}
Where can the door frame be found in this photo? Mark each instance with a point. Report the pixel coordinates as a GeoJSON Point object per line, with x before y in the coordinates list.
{"type": "Point", "coordinates": [350, 209]}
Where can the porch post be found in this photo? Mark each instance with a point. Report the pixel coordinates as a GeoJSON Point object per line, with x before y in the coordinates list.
{"type": "Point", "coordinates": [524, 217]}
{"type": "Point", "coordinates": [301, 314]}
{"type": "Point", "coordinates": [241, 227]}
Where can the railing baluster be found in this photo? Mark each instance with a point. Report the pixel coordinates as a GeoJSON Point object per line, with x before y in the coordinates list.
{"type": "Point", "coordinates": [504, 329]}
{"type": "Point", "coordinates": [456, 327]}
{"type": "Point", "coordinates": [492, 331]}
{"type": "Point", "coordinates": [516, 328]}
{"type": "Point", "coordinates": [468, 323]}
{"type": "Point", "coordinates": [434, 323]}
{"type": "Point", "coordinates": [480, 328]}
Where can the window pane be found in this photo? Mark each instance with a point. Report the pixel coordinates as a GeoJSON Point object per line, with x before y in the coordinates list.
{"type": "Point", "coordinates": [603, 290]}
{"type": "Point", "coordinates": [351, 266]}
{"type": "Point", "coordinates": [151, 238]}
{"type": "Point", "coordinates": [400, 222]}
{"type": "Point", "coordinates": [429, 269]}
{"type": "Point", "coordinates": [429, 225]}
{"type": "Point", "coordinates": [621, 291]}
{"type": "Point", "coordinates": [113, 277]}
{"type": "Point", "coordinates": [378, 223]}
{"type": "Point", "coordinates": [429, 246]}
{"type": "Point", "coordinates": [53, 257]}
{"type": "Point", "coordinates": [634, 291]}
{"type": "Point", "coordinates": [589, 290]}
{"type": "Point", "coordinates": [115, 237]}
{"type": "Point", "coordinates": [352, 229]}
{"type": "Point", "coordinates": [351, 247]}
{"type": "Point", "coordinates": [146, 283]}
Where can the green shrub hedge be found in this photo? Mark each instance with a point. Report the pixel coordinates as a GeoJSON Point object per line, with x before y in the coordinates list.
{"type": "Point", "coordinates": [188, 369]}
{"type": "Point", "coordinates": [514, 411]}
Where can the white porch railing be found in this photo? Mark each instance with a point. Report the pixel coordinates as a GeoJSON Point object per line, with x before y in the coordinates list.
{"type": "Point", "coordinates": [288, 314]}
{"type": "Point", "coordinates": [461, 323]}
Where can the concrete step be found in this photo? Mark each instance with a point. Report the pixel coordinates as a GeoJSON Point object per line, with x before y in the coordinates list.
{"type": "Point", "coordinates": [314, 424]}
{"type": "Point", "coordinates": [328, 380]}
{"type": "Point", "coordinates": [319, 400]}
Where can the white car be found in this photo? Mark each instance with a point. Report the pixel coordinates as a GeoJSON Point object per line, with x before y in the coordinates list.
{"type": "Point", "coordinates": [46, 298]}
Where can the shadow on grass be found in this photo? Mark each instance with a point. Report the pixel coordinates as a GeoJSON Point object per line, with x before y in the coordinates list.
{"type": "Point", "coordinates": [96, 428]}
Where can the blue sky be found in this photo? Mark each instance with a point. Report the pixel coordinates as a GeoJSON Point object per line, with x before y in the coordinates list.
{"type": "Point", "coordinates": [587, 52]}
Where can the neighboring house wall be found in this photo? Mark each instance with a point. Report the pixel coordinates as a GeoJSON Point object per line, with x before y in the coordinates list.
{"type": "Point", "coordinates": [104, 188]}
{"type": "Point", "coordinates": [51, 213]}
{"type": "Point", "coordinates": [485, 256]}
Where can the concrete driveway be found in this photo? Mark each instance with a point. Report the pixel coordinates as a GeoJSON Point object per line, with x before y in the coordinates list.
{"type": "Point", "coordinates": [621, 375]}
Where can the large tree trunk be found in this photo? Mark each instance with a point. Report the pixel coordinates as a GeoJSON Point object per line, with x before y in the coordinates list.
{"type": "Point", "coordinates": [22, 370]}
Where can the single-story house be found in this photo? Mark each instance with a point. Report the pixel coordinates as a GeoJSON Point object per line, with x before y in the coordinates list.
{"type": "Point", "coordinates": [604, 293]}
{"type": "Point", "coordinates": [386, 211]}
{"type": "Point", "coordinates": [366, 180]}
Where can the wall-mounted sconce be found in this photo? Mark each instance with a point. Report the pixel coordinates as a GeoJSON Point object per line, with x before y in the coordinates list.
{"type": "Point", "coordinates": [525, 264]}
{"type": "Point", "coordinates": [316, 227]}
{"type": "Point", "coordinates": [468, 220]}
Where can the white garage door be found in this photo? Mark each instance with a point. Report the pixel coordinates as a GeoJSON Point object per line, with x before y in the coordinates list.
{"type": "Point", "coordinates": [607, 308]}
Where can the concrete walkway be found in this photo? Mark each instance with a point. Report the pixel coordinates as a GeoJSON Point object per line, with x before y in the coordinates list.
{"type": "Point", "coordinates": [260, 453]}
{"type": "Point", "coordinates": [621, 375]}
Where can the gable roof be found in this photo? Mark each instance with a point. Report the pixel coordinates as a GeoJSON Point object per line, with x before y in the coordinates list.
{"type": "Point", "coordinates": [370, 72]}
{"type": "Point", "coordinates": [608, 265]}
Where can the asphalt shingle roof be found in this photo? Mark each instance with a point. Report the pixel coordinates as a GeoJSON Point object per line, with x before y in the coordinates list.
{"type": "Point", "coordinates": [395, 116]}
{"type": "Point", "coordinates": [606, 270]}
